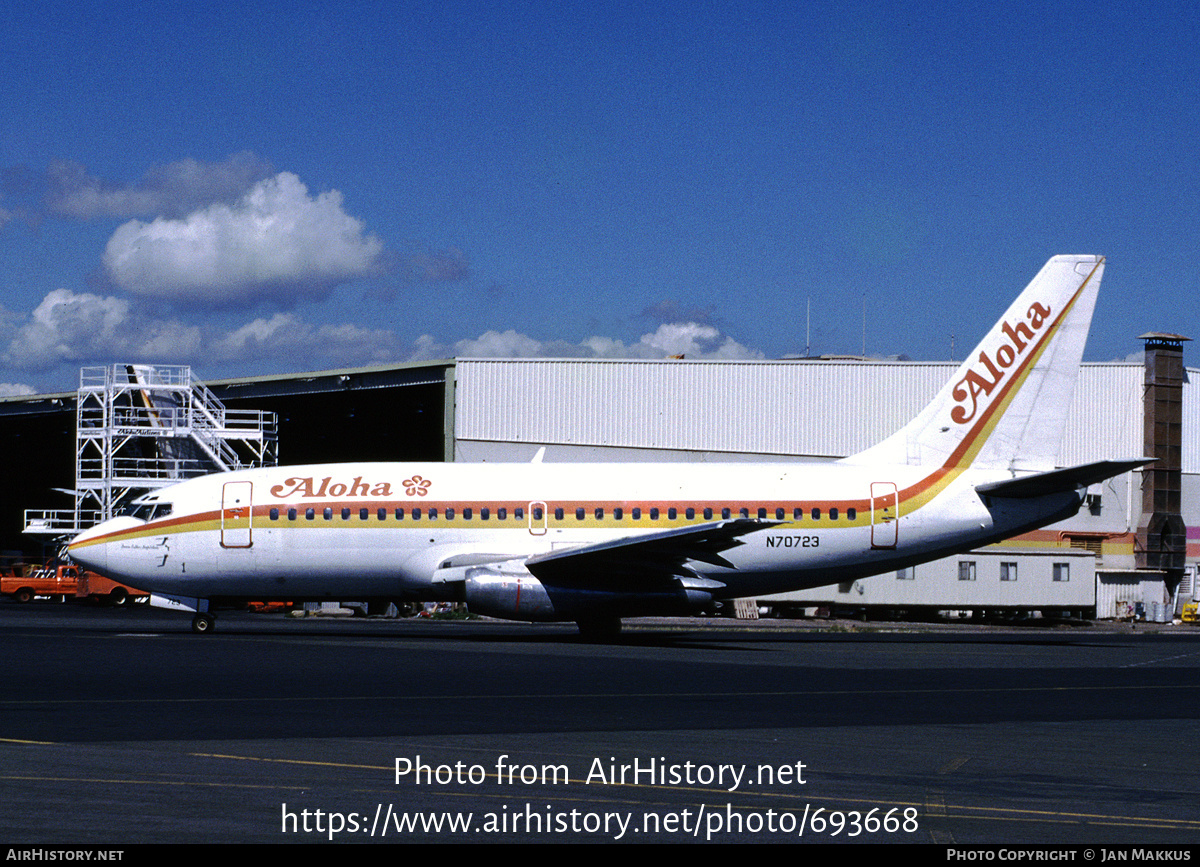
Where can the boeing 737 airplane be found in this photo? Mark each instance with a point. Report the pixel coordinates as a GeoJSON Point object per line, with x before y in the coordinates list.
{"type": "Point", "coordinates": [594, 543]}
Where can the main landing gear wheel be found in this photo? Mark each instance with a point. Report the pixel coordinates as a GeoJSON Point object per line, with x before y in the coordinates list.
{"type": "Point", "coordinates": [203, 623]}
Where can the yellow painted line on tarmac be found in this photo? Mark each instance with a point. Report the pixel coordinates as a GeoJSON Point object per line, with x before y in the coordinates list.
{"type": "Point", "coordinates": [953, 765]}
{"type": "Point", "coordinates": [293, 762]}
{"type": "Point", "coordinates": [23, 741]}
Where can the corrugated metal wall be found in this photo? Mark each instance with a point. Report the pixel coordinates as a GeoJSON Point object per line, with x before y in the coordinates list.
{"type": "Point", "coordinates": [772, 407]}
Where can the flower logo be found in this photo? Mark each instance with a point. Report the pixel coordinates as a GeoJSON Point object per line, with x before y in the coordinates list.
{"type": "Point", "coordinates": [416, 486]}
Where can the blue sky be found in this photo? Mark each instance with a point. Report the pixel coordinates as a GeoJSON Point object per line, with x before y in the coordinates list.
{"type": "Point", "coordinates": [278, 187]}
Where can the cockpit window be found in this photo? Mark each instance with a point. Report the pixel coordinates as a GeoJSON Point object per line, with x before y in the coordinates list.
{"type": "Point", "coordinates": [150, 510]}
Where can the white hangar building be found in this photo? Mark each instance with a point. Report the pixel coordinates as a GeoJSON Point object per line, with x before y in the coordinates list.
{"type": "Point", "coordinates": [1127, 552]}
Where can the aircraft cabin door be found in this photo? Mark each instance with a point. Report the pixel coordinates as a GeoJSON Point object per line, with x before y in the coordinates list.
{"type": "Point", "coordinates": [538, 521]}
{"type": "Point", "coordinates": [236, 514]}
{"type": "Point", "coordinates": [885, 515]}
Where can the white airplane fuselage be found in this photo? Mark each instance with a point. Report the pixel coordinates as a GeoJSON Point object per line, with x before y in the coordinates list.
{"type": "Point", "coordinates": [589, 542]}
{"type": "Point", "coordinates": [392, 530]}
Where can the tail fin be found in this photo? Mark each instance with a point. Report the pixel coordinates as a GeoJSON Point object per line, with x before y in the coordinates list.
{"type": "Point", "coordinates": [1006, 406]}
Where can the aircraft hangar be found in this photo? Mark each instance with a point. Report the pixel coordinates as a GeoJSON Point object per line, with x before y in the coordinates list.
{"type": "Point", "coordinates": [1127, 549]}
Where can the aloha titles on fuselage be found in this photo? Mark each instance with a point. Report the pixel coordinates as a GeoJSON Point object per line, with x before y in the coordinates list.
{"type": "Point", "coordinates": [976, 382]}
{"type": "Point", "coordinates": [307, 486]}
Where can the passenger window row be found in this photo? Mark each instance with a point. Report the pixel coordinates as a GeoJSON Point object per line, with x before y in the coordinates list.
{"type": "Point", "coordinates": [618, 513]}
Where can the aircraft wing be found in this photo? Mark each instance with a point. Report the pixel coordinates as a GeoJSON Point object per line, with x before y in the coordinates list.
{"type": "Point", "coordinates": [652, 556]}
{"type": "Point", "coordinates": [1057, 481]}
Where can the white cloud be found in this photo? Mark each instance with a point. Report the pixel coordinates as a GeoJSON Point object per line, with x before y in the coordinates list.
{"type": "Point", "coordinates": [495, 344]}
{"type": "Point", "coordinates": [70, 328]}
{"type": "Point", "coordinates": [15, 389]}
{"type": "Point", "coordinates": [78, 329]}
{"type": "Point", "coordinates": [285, 336]}
{"type": "Point", "coordinates": [426, 348]}
{"type": "Point", "coordinates": [690, 339]}
{"type": "Point", "coordinates": [695, 341]}
{"type": "Point", "coordinates": [276, 241]}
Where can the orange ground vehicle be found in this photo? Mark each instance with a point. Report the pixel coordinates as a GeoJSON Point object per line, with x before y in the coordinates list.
{"type": "Point", "coordinates": [63, 582]}
{"type": "Point", "coordinates": [98, 588]}
{"type": "Point", "coordinates": [24, 582]}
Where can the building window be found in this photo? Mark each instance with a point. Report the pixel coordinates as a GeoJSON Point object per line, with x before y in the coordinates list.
{"type": "Point", "coordinates": [1062, 571]}
{"type": "Point", "coordinates": [1008, 571]}
{"type": "Point", "coordinates": [966, 570]}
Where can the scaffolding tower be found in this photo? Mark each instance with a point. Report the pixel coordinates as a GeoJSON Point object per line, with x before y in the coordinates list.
{"type": "Point", "coordinates": [140, 427]}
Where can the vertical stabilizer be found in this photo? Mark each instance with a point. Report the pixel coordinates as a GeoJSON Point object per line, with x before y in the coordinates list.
{"type": "Point", "coordinates": [1006, 406]}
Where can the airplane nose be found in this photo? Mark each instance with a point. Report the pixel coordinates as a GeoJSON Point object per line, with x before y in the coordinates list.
{"type": "Point", "coordinates": [88, 553]}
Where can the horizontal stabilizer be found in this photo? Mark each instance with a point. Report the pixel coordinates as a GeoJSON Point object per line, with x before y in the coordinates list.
{"type": "Point", "coordinates": [1057, 481]}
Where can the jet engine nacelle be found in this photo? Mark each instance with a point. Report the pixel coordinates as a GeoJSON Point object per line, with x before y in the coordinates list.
{"type": "Point", "coordinates": [511, 592]}
{"type": "Point", "coordinates": [508, 591]}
